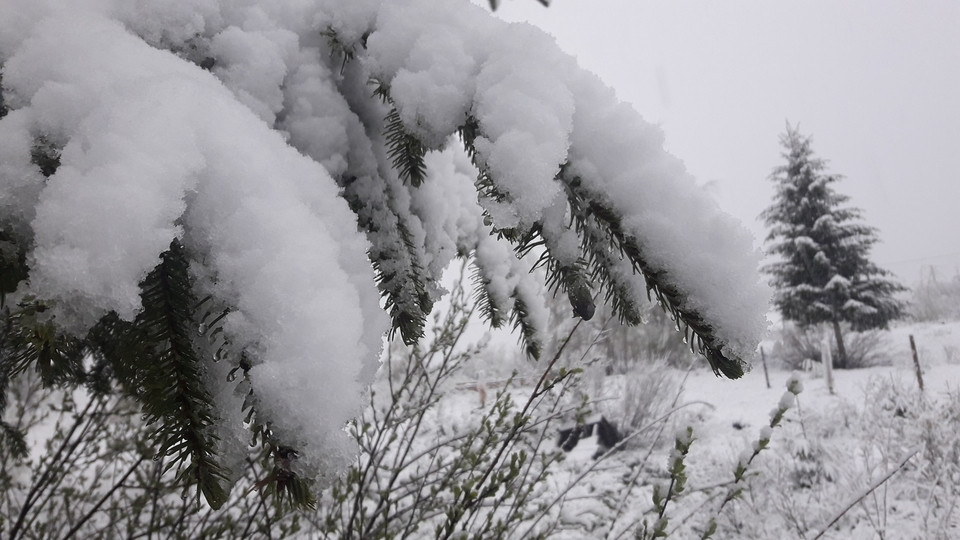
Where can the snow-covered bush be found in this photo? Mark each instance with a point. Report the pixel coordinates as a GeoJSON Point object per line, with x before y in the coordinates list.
{"type": "Point", "coordinates": [214, 201]}
{"type": "Point", "coordinates": [885, 467]}
{"type": "Point", "coordinates": [429, 463]}
{"type": "Point", "coordinates": [89, 473]}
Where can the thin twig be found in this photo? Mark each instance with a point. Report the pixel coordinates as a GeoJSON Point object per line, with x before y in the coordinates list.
{"type": "Point", "coordinates": [76, 527]}
{"type": "Point", "coordinates": [879, 482]}
{"type": "Point", "coordinates": [38, 487]}
{"type": "Point", "coordinates": [606, 455]}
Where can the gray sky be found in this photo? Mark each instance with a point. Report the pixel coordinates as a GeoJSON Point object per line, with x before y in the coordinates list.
{"type": "Point", "coordinates": [875, 82]}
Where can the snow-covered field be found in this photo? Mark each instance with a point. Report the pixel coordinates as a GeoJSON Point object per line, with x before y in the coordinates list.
{"type": "Point", "coordinates": [824, 457]}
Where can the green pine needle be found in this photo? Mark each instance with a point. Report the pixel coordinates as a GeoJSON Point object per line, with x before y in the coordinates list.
{"type": "Point", "coordinates": [404, 149]}
{"type": "Point", "coordinates": [529, 336]}
{"type": "Point", "coordinates": [398, 271]}
{"type": "Point", "coordinates": [489, 310]}
{"type": "Point", "coordinates": [32, 339]}
{"type": "Point", "coordinates": [159, 351]}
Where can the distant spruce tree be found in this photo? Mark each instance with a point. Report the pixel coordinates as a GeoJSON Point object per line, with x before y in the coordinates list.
{"type": "Point", "coordinates": [824, 273]}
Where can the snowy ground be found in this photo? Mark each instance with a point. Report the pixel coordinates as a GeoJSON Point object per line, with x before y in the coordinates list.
{"type": "Point", "coordinates": [824, 456]}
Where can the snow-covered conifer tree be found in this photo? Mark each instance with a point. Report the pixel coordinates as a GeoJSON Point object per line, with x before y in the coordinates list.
{"type": "Point", "coordinates": [823, 273]}
{"type": "Point", "coordinates": [221, 207]}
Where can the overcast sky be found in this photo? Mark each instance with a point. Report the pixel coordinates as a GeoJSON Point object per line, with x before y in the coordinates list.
{"type": "Point", "coordinates": [875, 82]}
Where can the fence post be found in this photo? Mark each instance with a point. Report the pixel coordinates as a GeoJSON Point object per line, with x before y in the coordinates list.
{"type": "Point", "coordinates": [827, 359]}
{"type": "Point", "coordinates": [763, 359]}
{"type": "Point", "coordinates": [916, 363]}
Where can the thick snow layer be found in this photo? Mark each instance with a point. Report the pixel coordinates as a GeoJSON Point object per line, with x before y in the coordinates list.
{"type": "Point", "coordinates": [239, 159]}
{"type": "Point", "coordinates": [155, 148]}
{"type": "Point", "coordinates": [430, 53]}
{"type": "Point", "coordinates": [446, 204]}
{"type": "Point", "coordinates": [21, 180]}
{"type": "Point", "coordinates": [537, 110]}
{"type": "Point", "coordinates": [708, 254]}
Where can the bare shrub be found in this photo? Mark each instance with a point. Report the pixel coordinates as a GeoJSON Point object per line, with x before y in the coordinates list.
{"type": "Point", "coordinates": [798, 345]}
{"type": "Point", "coordinates": [934, 299]}
{"type": "Point", "coordinates": [641, 395]}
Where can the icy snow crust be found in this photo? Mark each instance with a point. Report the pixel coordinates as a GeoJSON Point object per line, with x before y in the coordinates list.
{"type": "Point", "coordinates": [240, 162]}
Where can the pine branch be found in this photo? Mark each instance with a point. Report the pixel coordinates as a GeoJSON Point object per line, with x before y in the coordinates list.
{"type": "Point", "coordinates": [403, 148]}
{"type": "Point", "coordinates": [606, 261]}
{"type": "Point", "coordinates": [529, 333]}
{"type": "Point", "coordinates": [410, 319]}
{"type": "Point", "coordinates": [696, 330]}
{"type": "Point", "coordinates": [114, 349]}
{"type": "Point", "coordinates": [490, 310]}
{"type": "Point", "coordinates": [404, 283]}
{"type": "Point", "coordinates": [347, 51]}
{"type": "Point", "coordinates": [604, 243]}
{"type": "Point", "coordinates": [32, 339]}
{"type": "Point", "coordinates": [400, 276]}
{"type": "Point", "coordinates": [572, 279]}
{"type": "Point", "coordinates": [569, 278]}
{"type": "Point", "coordinates": [278, 459]}
{"type": "Point", "coordinates": [10, 436]}
{"type": "Point", "coordinates": [486, 186]}
{"type": "Point", "coordinates": [502, 291]}
{"type": "Point", "coordinates": [13, 264]}
{"type": "Point", "coordinates": [28, 338]}
{"type": "Point", "coordinates": [515, 307]}
{"type": "Point", "coordinates": [158, 350]}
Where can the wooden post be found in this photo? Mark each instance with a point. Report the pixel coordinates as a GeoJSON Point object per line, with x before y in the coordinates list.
{"type": "Point", "coordinates": [827, 359]}
{"type": "Point", "coordinates": [916, 363]}
{"type": "Point", "coordinates": [763, 359]}
{"type": "Point", "coordinates": [481, 386]}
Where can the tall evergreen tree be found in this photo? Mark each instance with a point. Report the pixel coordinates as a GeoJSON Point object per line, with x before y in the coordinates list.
{"type": "Point", "coordinates": [823, 273]}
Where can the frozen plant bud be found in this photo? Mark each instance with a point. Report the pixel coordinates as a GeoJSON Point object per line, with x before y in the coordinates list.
{"type": "Point", "coordinates": [676, 457]}
{"type": "Point", "coordinates": [794, 384]}
{"type": "Point", "coordinates": [776, 412]}
{"type": "Point", "coordinates": [787, 400]}
{"type": "Point", "coordinates": [659, 492]}
{"type": "Point", "coordinates": [684, 436]}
